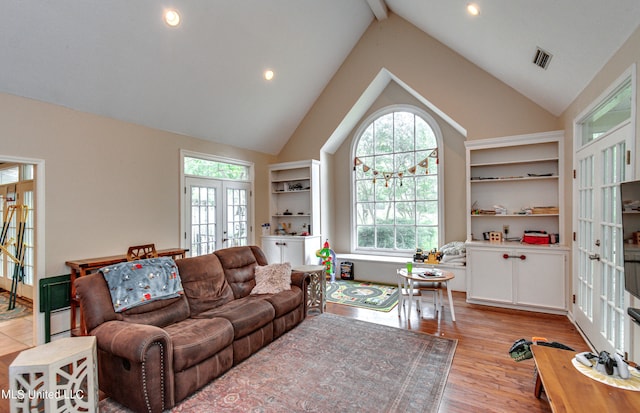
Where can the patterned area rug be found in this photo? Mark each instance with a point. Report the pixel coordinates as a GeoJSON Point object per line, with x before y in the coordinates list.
{"type": "Point", "coordinates": [378, 297]}
{"type": "Point", "coordinates": [21, 309]}
{"type": "Point", "coordinates": [331, 363]}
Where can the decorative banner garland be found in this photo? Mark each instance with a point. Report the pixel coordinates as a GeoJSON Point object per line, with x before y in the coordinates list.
{"type": "Point", "coordinates": [388, 175]}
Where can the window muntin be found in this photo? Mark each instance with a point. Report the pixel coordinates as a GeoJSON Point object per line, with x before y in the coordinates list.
{"type": "Point", "coordinates": [396, 187]}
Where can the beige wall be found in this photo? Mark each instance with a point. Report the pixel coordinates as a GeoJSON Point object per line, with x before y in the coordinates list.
{"type": "Point", "coordinates": [108, 184]}
{"type": "Point", "coordinates": [484, 106]}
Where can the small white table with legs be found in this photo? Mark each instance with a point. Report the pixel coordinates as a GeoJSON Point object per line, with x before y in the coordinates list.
{"type": "Point", "coordinates": [417, 276]}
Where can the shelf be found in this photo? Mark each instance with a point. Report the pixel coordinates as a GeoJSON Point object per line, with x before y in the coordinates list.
{"type": "Point", "coordinates": [512, 178]}
{"type": "Point", "coordinates": [517, 162]}
{"type": "Point", "coordinates": [290, 216]}
{"type": "Point", "coordinates": [513, 215]}
{"type": "Point", "coordinates": [291, 192]}
{"type": "Point", "coordinates": [290, 180]}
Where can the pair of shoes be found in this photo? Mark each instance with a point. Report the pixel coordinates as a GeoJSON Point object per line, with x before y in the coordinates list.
{"type": "Point", "coordinates": [521, 350]}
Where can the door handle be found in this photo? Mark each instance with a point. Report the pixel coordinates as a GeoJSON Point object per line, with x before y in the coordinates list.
{"type": "Point", "coordinates": [594, 257]}
{"type": "Point", "coordinates": [507, 256]}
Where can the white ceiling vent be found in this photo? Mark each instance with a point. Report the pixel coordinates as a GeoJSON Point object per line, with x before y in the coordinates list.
{"type": "Point", "coordinates": [542, 58]}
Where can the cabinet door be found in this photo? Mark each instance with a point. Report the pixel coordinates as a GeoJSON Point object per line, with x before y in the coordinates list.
{"type": "Point", "coordinates": [293, 252]}
{"type": "Point", "coordinates": [272, 249]}
{"type": "Point", "coordinates": [540, 279]}
{"type": "Point", "coordinates": [490, 275]}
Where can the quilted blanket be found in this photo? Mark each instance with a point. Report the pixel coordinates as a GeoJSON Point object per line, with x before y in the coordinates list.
{"type": "Point", "coordinates": [139, 282]}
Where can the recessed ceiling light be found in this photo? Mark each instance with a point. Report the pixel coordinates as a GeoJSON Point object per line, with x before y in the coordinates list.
{"type": "Point", "coordinates": [473, 9]}
{"type": "Point", "coordinates": [268, 74]}
{"type": "Point", "coordinates": [172, 17]}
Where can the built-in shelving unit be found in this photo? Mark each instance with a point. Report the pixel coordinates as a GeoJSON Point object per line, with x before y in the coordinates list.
{"type": "Point", "coordinates": [294, 211]}
{"type": "Point", "coordinates": [515, 184]}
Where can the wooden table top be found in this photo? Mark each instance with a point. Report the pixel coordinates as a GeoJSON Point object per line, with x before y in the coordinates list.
{"type": "Point", "coordinates": [568, 390]}
{"type": "Point", "coordinates": [114, 259]}
{"type": "Point", "coordinates": [414, 276]}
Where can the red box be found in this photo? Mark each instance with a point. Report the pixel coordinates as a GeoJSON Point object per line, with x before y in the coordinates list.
{"type": "Point", "coordinates": [536, 238]}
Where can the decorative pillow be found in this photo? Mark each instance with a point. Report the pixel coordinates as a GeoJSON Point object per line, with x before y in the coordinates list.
{"type": "Point", "coordinates": [272, 278]}
{"type": "Point", "coordinates": [140, 282]}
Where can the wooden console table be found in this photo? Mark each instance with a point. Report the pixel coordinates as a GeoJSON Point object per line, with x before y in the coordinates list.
{"type": "Point", "coordinates": [568, 390]}
{"type": "Point", "coordinates": [80, 268]}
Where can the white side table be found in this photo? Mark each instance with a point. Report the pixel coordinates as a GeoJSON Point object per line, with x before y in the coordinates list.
{"type": "Point", "coordinates": [60, 376]}
{"type": "Point", "coordinates": [316, 290]}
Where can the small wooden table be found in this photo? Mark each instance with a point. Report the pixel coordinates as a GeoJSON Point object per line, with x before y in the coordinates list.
{"type": "Point", "coordinates": [415, 278]}
{"type": "Point", "coordinates": [568, 390]}
{"type": "Point", "coordinates": [80, 268]}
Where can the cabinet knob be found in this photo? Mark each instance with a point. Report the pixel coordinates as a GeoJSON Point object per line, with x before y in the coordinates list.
{"type": "Point", "coordinates": [507, 256]}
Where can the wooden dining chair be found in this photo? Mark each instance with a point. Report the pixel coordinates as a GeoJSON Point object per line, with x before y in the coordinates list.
{"type": "Point", "coordinates": [141, 252]}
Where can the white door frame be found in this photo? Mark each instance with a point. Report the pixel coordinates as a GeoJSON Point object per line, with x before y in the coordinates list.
{"type": "Point", "coordinates": [40, 262]}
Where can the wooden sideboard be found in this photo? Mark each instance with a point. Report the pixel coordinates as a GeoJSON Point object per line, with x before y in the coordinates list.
{"type": "Point", "coordinates": [86, 266]}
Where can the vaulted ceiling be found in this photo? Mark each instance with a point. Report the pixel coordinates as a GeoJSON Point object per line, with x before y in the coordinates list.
{"type": "Point", "coordinates": [204, 78]}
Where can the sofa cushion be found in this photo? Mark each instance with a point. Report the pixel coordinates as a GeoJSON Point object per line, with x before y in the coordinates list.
{"type": "Point", "coordinates": [285, 301]}
{"type": "Point", "coordinates": [195, 340]}
{"type": "Point", "coordinates": [136, 283]}
{"type": "Point", "coordinates": [204, 283]}
{"type": "Point", "coordinates": [245, 314]}
{"type": "Point", "coordinates": [272, 278]}
{"type": "Point", "coordinates": [239, 267]}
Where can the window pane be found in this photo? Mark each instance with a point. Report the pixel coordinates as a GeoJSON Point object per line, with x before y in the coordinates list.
{"type": "Point", "coordinates": [365, 213]}
{"type": "Point", "coordinates": [427, 187]}
{"type": "Point", "coordinates": [367, 161]}
{"type": "Point", "coordinates": [427, 212]}
{"type": "Point", "coordinates": [365, 144]}
{"type": "Point", "coordinates": [366, 237]}
{"type": "Point", "coordinates": [9, 175]}
{"type": "Point", "coordinates": [384, 192]}
{"type": "Point", "coordinates": [405, 213]}
{"type": "Point", "coordinates": [213, 169]}
{"type": "Point", "coordinates": [384, 237]}
{"type": "Point", "coordinates": [610, 113]}
{"type": "Point", "coordinates": [383, 130]}
{"type": "Point", "coordinates": [406, 237]}
{"type": "Point", "coordinates": [405, 189]}
{"type": "Point", "coordinates": [425, 138]}
{"type": "Point", "coordinates": [403, 131]}
{"type": "Point", "coordinates": [364, 190]}
{"type": "Point", "coordinates": [384, 213]}
{"type": "Point", "coordinates": [427, 238]}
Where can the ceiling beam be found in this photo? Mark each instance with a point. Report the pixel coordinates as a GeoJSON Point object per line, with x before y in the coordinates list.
{"type": "Point", "coordinates": [379, 9]}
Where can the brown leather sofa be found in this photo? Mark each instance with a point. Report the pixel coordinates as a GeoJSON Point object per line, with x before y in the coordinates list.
{"type": "Point", "coordinates": [153, 356]}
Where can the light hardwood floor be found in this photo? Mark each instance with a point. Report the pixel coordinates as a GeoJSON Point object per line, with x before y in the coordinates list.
{"type": "Point", "coordinates": [483, 378]}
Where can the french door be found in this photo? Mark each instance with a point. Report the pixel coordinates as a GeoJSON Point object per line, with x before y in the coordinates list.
{"type": "Point", "coordinates": [217, 214]}
{"type": "Point", "coordinates": [598, 280]}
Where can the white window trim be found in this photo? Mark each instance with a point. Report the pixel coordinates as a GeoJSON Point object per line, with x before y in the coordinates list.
{"type": "Point", "coordinates": [439, 140]}
{"type": "Point", "coordinates": [200, 155]}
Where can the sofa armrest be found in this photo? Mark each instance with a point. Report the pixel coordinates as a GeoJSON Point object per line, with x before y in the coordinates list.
{"type": "Point", "coordinates": [130, 341]}
{"type": "Point", "coordinates": [135, 364]}
{"type": "Point", "coordinates": [300, 279]}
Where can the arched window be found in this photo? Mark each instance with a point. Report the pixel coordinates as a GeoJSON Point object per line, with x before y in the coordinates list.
{"type": "Point", "coordinates": [397, 182]}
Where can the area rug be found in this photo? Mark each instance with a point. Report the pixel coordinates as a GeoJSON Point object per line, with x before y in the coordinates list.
{"type": "Point", "coordinates": [21, 309]}
{"type": "Point", "coordinates": [331, 363]}
{"type": "Point", "coordinates": [373, 296]}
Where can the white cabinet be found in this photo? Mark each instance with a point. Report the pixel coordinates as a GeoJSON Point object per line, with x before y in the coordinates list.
{"type": "Point", "coordinates": [294, 213]}
{"type": "Point", "coordinates": [297, 250]}
{"type": "Point", "coordinates": [530, 278]}
{"type": "Point", "coordinates": [520, 177]}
